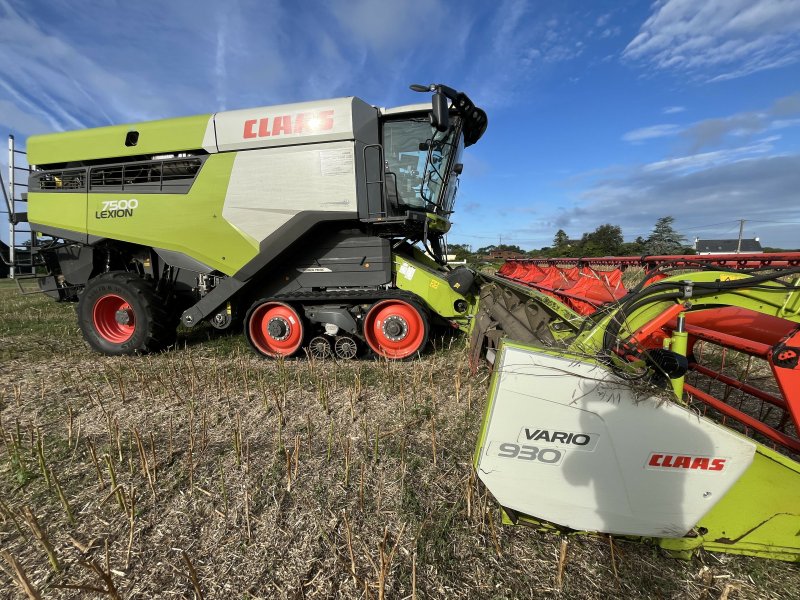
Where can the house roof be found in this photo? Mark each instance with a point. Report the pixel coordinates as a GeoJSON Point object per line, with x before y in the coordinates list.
{"type": "Point", "coordinates": [748, 245]}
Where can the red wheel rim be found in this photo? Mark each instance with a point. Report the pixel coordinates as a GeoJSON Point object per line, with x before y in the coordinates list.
{"type": "Point", "coordinates": [113, 319]}
{"type": "Point", "coordinates": [275, 329]}
{"type": "Point", "coordinates": [394, 329]}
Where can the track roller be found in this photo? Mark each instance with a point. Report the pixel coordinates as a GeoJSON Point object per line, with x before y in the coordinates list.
{"type": "Point", "coordinates": [396, 329]}
{"type": "Point", "coordinates": [320, 348]}
{"type": "Point", "coordinates": [274, 329]}
{"type": "Point", "coordinates": [345, 347]}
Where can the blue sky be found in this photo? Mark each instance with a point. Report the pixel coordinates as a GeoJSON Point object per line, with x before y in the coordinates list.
{"type": "Point", "coordinates": [599, 112]}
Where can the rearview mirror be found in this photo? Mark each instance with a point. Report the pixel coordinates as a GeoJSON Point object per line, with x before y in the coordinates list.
{"type": "Point", "coordinates": [440, 115]}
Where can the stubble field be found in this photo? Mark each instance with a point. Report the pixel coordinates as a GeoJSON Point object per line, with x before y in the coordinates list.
{"type": "Point", "coordinates": [207, 472]}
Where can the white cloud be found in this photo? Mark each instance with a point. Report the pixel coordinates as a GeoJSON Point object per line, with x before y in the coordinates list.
{"type": "Point", "coordinates": [718, 39]}
{"type": "Point", "coordinates": [521, 43]}
{"type": "Point", "coordinates": [697, 191]}
{"type": "Point", "coordinates": [390, 27]}
{"type": "Point", "coordinates": [651, 132]}
{"type": "Point", "coordinates": [710, 132]}
{"type": "Point", "coordinates": [611, 32]}
{"type": "Point", "coordinates": [220, 67]}
{"type": "Point", "coordinates": [782, 114]}
{"type": "Point", "coordinates": [672, 110]}
{"type": "Point", "coordinates": [125, 65]}
{"type": "Point", "coordinates": [704, 160]}
{"type": "Point", "coordinates": [50, 76]}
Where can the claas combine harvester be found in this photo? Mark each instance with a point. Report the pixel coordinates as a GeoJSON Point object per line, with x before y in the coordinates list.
{"type": "Point", "coordinates": [300, 220]}
{"type": "Point", "coordinates": [668, 411]}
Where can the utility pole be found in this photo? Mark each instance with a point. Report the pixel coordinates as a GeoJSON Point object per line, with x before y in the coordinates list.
{"type": "Point", "coordinates": [741, 230]}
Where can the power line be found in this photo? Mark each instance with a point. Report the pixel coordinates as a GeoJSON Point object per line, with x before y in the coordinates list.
{"type": "Point", "coordinates": [775, 222]}
{"type": "Point", "coordinates": [710, 225]}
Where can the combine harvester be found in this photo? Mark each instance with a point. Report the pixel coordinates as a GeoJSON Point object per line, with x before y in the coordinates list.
{"type": "Point", "coordinates": [668, 411]}
{"type": "Point", "coordinates": [304, 221]}
{"type": "Point", "coordinates": [320, 228]}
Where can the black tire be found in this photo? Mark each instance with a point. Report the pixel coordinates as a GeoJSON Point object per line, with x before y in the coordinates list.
{"type": "Point", "coordinates": [120, 313]}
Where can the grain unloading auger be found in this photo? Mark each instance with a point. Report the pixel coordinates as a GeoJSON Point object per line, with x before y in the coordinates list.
{"type": "Point", "coordinates": [671, 412]}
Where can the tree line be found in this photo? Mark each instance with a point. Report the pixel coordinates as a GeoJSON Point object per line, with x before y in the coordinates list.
{"type": "Point", "coordinates": [606, 240]}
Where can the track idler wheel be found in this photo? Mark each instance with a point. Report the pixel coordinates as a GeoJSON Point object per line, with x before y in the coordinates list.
{"type": "Point", "coordinates": [345, 347]}
{"type": "Point", "coordinates": [274, 329]}
{"type": "Point", "coordinates": [396, 329]}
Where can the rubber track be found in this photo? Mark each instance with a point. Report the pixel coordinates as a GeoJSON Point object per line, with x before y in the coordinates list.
{"type": "Point", "coordinates": [350, 297]}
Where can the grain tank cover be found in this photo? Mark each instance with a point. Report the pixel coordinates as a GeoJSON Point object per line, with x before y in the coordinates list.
{"type": "Point", "coordinates": [289, 124]}
{"type": "Point", "coordinates": [119, 141]}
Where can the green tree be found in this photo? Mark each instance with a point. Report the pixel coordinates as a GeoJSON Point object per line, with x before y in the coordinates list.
{"type": "Point", "coordinates": [489, 248]}
{"type": "Point", "coordinates": [634, 248]}
{"type": "Point", "coordinates": [606, 240]}
{"type": "Point", "coordinates": [461, 251]}
{"type": "Point", "coordinates": [664, 239]}
{"type": "Point", "coordinates": [561, 239]}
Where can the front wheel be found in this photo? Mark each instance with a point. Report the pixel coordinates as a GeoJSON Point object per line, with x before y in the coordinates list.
{"type": "Point", "coordinates": [396, 329]}
{"type": "Point", "coordinates": [120, 313]}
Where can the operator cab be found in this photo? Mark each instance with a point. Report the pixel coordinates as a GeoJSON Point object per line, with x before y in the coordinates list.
{"type": "Point", "coordinates": [422, 147]}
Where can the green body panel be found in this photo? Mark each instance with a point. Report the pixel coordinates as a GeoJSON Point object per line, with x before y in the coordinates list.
{"type": "Point", "coordinates": [155, 137]}
{"type": "Point", "coordinates": [64, 210]}
{"type": "Point", "coordinates": [759, 516]}
{"type": "Point", "coordinates": [189, 223]}
{"type": "Point", "coordinates": [438, 223]}
{"type": "Point", "coordinates": [490, 400]}
{"type": "Point", "coordinates": [678, 343]}
{"type": "Point", "coordinates": [418, 278]}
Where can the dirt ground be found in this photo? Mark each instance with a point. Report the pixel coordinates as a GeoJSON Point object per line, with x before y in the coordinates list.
{"type": "Point", "coordinates": [207, 472]}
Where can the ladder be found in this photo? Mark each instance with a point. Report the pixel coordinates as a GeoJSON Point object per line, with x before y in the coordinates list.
{"type": "Point", "coordinates": [20, 253]}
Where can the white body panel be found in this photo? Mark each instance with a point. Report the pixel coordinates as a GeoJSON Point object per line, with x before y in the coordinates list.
{"type": "Point", "coordinates": [607, 458]}
{"type": "Point", "coordinates": [269, 186]}
{"type": "Point", "coordinates": [300, 123]}
{"type": "Point", "coordinates": [406, 109]}
{"type": "Point", "coordinates": [306, 156]}
{"type": "Point", "coordinates": [210, 137]}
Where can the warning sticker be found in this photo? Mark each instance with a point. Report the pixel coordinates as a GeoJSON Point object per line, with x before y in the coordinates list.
{"type": "Point", "coordinates": [336, 162]}
{"type": "Point", "coordinates": [407, 271]}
